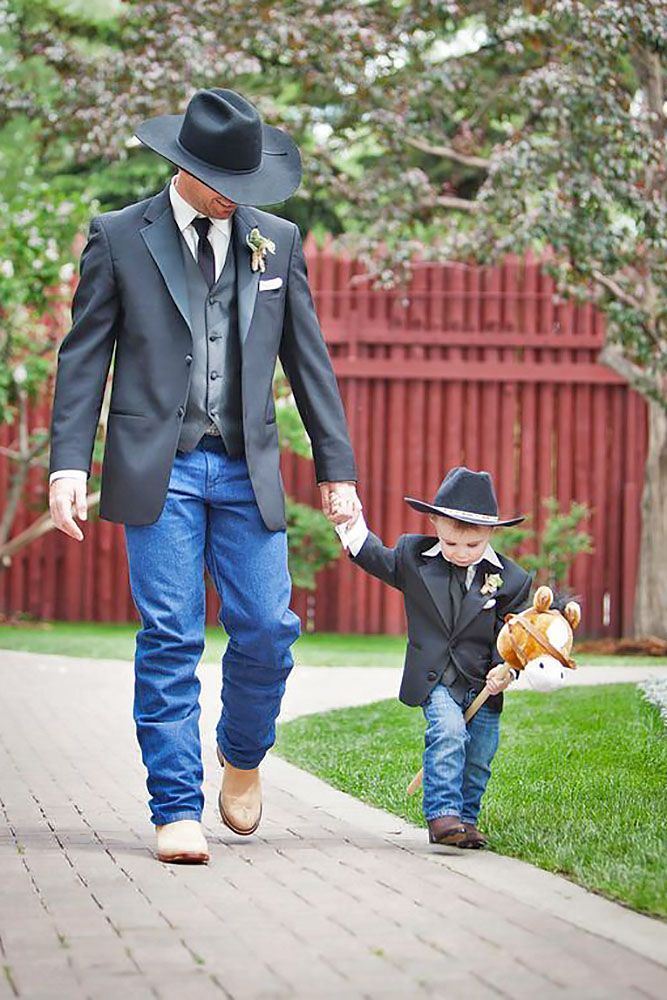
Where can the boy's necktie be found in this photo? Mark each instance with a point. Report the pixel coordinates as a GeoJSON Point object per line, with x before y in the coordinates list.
{"type": "Point", "coordinates": [205, 255]}
{"type": "Point", "coordinates": [457, 588]}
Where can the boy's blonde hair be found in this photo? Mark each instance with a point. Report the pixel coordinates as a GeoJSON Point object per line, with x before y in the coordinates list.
{"type": "Point", "coordinates": [462, 527]}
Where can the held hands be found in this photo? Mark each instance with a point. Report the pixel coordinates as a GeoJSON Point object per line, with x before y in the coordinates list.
{"type": "Point", "coordinates": [498, 678]}
{"type": "Point", "coordinates": [67, 499]}
{"type": "Point", "coordinates": [340, 502]}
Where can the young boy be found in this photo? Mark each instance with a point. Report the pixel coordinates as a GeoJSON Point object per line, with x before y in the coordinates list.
{"type": "Point", "coordinates": [456, 590]}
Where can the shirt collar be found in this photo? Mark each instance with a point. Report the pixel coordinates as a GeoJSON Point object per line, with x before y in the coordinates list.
{"type": "Point", "coordinates": [489, 554]}
{"type": "Point", "coordinates": [184, 213]}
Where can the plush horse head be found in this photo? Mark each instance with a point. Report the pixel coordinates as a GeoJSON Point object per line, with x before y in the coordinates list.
{"type": "Point", "coordinates": [539, 640]}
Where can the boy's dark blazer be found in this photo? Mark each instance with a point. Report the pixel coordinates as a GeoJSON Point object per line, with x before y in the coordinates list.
{"type": "Point", "coordinates": [424, 582]}
{"type": "Point", "coordinates": [133, 298]}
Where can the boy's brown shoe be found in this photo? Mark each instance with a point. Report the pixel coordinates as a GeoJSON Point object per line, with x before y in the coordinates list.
{"type": "Point", "coordinates": [473, 839]}
{"type": "Point", "coordinates": [446, 830]}
{"type": "Point", "coordinates": [240, 798]}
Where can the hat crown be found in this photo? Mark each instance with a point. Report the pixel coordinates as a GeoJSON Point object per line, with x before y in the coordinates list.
{"type": "Point", "coordinates": [465, 490]}
{"type": "Point", "coordinates": [222, 129]}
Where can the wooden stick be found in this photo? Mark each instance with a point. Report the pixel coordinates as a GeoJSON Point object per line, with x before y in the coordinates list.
{"type": "Point", "coordinates": [470, 711]}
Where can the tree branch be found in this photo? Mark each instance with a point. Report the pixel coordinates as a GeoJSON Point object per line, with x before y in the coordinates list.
{"type": "Point", "coordinates": [447, 152]}
{"type": "Point", "coordinates": [462, 204]}
{"type": "Point", "coordinates": [616, 290]}
{"type": "Point", "coordinates": [612, 355]}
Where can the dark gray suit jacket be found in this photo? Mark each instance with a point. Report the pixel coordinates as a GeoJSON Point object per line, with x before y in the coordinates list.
{"type": "Point", "coordinates": [424, 581]}
{"type": "Point", "coordinates": [132, 295]}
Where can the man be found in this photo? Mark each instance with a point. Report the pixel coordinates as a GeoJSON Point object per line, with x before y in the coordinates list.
{"type": "Point", "coordinates": [199, 294]}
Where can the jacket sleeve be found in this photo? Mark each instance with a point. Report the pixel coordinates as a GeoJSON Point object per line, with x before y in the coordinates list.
{"type": "Point", "coordinates": [519, 602]}
{"type": "Point", "coordinates": [84, 357]}
{"type": "Point", "coordinates": [305, 359]}
{"type": "Point", "coordinates": [381, 561]}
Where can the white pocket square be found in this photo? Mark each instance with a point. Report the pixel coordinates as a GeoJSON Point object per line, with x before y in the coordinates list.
{"type": "Point", "coordinates": [266, 284]}
{"type": "Point", "coordinates": [489, 604]}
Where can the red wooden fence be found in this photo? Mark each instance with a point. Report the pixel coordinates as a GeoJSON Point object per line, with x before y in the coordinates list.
{"type": "Point", "coordinates": [474, 366]}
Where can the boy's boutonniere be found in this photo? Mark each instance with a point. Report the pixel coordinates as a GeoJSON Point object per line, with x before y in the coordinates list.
{"type": "Point", "coordinates": [259, 245]}
{"type": "Point", "coordinates": [492, 582]}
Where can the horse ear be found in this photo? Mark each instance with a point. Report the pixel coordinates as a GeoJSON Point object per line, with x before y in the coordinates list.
{"type": "Point", "coordinates": [572, 613]}
{"type": "Point", "coordinates": [543, 598]}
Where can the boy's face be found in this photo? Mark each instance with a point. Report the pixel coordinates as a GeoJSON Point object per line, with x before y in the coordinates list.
{"type": "Point", "coordinates": [461, 543]}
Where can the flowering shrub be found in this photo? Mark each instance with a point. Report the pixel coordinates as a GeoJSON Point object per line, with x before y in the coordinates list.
{"type": "Point", "coordinates": [37, 265]}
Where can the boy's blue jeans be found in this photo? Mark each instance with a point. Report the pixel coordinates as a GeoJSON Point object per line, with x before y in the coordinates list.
{"type": "Point", "coordinates": [457, 758]}
{"type": "Point", "coordinates": [210, 519]}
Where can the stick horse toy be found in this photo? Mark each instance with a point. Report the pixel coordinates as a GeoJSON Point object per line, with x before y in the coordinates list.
{"type": "Point", "coordinates": [537, 641]}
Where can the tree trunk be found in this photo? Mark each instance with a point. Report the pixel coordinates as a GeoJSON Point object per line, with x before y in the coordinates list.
{"type": "Point", "coordinates": [651, 592]}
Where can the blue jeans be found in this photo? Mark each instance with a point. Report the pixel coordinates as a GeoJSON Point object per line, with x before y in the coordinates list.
{"type": "Point", "coordinates": [210, 519]}
{"type": "Point", "coordinates": [457, 758]}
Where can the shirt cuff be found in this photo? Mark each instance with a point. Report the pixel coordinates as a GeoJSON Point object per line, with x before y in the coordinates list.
{"type": "Point", "coordinates": [353, 537]}
{"type": "Point", "coordinates": [81, 474]}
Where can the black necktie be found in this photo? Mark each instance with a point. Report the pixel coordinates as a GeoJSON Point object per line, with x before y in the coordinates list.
{"type": "Point", "coordinates": [457, 588]}
{"type": "Point", "coordinates": [205, 255]}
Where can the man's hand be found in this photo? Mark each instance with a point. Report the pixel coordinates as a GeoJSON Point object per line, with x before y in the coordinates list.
{"type": "Point", "coordinates": [498, 678]}
{"type": "Point", "coordinates": [340, 502]}
{"type": "Point", "coordinates": [67, 497]}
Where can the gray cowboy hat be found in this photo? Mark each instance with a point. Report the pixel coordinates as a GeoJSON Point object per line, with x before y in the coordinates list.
{"type": "Point", "coordinates": [223, 142]}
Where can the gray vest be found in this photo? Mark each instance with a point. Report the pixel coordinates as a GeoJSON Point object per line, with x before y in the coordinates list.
{"type": "Point", "coordinates": [214, 401]}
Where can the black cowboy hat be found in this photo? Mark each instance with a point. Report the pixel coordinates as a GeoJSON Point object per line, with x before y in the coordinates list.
{"type": "Point", "coordinates": [222, 141]}
{"type": "Point", "coordinates": [467, 496]}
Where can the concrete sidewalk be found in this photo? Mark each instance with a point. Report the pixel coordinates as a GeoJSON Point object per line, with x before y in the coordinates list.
{"type": "Point", "coordinates": [334, 899]}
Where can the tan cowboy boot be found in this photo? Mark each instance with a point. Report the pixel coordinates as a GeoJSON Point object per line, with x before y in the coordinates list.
{"type": "Point", "coordinates": [240, 799]}
{"type": "Point", "coordinates": [182, 842]}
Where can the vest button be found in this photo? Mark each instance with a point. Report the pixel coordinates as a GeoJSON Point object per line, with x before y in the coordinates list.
{"type": "Point", "coordinates": [180, 411]}
{"type": "Point", "coordinates": [188, 359]}
{"type": "Point", "coordinates": [431, 675]}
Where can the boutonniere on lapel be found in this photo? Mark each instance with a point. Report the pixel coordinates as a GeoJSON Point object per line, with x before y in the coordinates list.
{"type": "Point", "coordinates": [492, 583]}
{"type": "Point", "coordinates": [259, 246]}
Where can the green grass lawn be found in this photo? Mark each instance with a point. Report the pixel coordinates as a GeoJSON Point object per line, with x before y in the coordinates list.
{"type": "Point", "coordinates": [319, 649]}
{"type": "Point", "coordinates": [578, 787]}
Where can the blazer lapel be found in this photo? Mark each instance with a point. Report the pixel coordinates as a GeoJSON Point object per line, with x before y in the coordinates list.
{"type": "Point", "coordinates": [473, 601]}
{"type": "Point", "coordinates": [247, 280]}
{"type": "Point", "coordinates": [163, 241]}
{"type": "Point", "coordinates": [436, 578]}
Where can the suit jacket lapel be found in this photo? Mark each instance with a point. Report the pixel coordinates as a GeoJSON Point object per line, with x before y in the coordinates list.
{"type": "Point", "coordinates": [473, 601]}
{"type": "Point", "coordinates": [247, 280]}
{"type": "Point", "coordinates": [436, 578]}
{"type": "Point", "coordinates": [163, 241]}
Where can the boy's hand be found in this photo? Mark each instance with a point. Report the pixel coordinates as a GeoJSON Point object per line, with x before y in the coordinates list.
{"type": "Point", "coordinates": [498, 678]}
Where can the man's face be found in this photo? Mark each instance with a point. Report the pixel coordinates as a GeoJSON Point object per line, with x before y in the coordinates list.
{"type": "Point", "coordinates": [462, 544]}
{"type": "Point", "coordinates": [203, 198]}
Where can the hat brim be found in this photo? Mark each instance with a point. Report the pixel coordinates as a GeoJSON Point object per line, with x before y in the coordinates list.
{"type": "Point", "coordinates": [275, 179]}
{"type": "Point", "coordinates": [429, 508]}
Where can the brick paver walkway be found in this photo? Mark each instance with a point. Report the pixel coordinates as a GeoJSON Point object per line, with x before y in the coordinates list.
{"type": "Point", "coordinates": [333, 899]}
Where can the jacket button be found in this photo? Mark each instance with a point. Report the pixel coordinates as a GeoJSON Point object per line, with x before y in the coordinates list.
{"type": "Point", "coordinates": [180, 411]}
{"type": "Point", "coordinates": [188, 359]}
{"type": "Point", "coordinates": [214, 375]}
{"type": "Point", "coordinates": [431, 675]}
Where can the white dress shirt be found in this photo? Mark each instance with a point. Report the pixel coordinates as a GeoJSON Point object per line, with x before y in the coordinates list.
{"type": "Point", "coordinates": [354, 537]}
{"type": "Point", "coordinates": [219, 236]}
